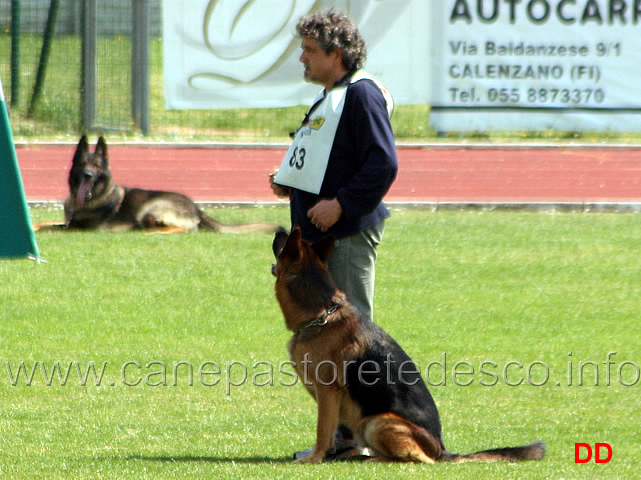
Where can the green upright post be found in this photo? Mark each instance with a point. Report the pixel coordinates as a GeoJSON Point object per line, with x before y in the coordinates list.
{"type": "Point", "coordinates": [17, 238]}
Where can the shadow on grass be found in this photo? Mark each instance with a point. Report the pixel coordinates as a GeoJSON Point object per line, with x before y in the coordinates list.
{"type": "Point", "coordinates": [190, 459]}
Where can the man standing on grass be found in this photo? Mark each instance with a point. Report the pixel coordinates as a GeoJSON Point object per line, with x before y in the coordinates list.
{"type": "Point", "coordinates": [343, 158]}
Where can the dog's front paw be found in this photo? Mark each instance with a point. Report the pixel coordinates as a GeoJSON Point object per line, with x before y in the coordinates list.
{"type": "Point", "coordinates": [314, 456]}
{"type": "Point", "coordinates": [43, 226]}
{"type": "Point", "coordinates": [310, 459]}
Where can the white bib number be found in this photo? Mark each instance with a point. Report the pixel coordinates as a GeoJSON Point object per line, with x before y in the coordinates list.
{"type": "Point", "coordinates": [297, 159]}
{"type": "Point", "coordinates": [305, 162]}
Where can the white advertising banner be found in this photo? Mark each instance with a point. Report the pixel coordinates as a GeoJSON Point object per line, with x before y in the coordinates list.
{"type": "Point", "coordinates": [536, 64]}
{"type": "Point", "coordinates": [244, 53]}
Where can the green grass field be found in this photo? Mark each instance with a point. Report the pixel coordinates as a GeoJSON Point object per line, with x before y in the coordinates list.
{"type": "Point", "coordinates": [502, 311]}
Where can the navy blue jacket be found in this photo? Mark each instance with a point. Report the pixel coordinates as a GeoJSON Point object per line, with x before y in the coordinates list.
{"type": "Point", "coordinates": [362, 166]}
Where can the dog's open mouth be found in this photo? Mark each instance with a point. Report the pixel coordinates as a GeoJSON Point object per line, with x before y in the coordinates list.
{"type": "Point", "coordinates": [84, 189]}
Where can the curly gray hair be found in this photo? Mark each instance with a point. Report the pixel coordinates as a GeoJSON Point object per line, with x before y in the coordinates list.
{"type": "Point", "coordinates": [333, 30]}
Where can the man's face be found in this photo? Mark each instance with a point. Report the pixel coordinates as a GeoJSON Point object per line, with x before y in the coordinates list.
{"type": "Point", "coordinates": [320, 66]}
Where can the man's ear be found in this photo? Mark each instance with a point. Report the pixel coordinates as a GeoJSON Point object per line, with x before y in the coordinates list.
{"type": "Point", "coordinates": [338, 60]}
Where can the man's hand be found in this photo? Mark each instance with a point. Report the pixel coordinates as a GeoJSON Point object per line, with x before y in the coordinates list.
{"type": "Point", "coordinates": [279, 190]}
{"type": "Point", "coordinates": [325, 214]}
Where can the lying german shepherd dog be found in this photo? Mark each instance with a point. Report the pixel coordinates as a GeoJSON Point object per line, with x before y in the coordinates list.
{"type": "Point", "coordinates": [359, 376]}
{"type": "Point", "coordinates": [95, 202]}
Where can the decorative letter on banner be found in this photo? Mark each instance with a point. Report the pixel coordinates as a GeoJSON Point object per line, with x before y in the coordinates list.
{"type": "Point", "coordinates": [536, 65]}
{"type": "Point", "coordinates": [244, 54]}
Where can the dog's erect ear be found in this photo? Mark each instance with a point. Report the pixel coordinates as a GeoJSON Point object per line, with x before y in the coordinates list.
{"type": "Point", "coordinates": [279, 242]}
{"type": "Point", "coordinates": [293, 246]}
{"type": "Point", "coordinates": [101, 151]}
{"type": "Point", "coordinates": [81, 149]}
{"type": "Point", "coordinates": [324, 248]}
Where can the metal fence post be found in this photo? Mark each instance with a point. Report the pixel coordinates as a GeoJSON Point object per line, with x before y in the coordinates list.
{"type": "Point", "coordinates": [44, 55]}
{"type": "Point", "coordinates": [88, 88]}
{"type": "Point", "coordinates": [140, 60]}
{"type": "Point", "coordinates": [15, 52]}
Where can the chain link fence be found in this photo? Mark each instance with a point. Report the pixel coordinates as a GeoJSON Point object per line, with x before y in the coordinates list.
{"type": "Point", "coordinates": [41, 68]}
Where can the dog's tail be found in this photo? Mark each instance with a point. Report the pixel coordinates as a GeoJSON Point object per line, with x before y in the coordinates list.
{"type": "Point", "coordinates": [209, 223]}
{"type": "Point", "coordinates": [533, 451]}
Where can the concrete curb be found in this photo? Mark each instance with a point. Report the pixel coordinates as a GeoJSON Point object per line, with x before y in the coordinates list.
{"type": "Point", "coordinates": [540, 207]}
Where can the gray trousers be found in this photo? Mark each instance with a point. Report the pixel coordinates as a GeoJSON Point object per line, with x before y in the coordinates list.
{"type": "Point", "coordinates": [352, 264]}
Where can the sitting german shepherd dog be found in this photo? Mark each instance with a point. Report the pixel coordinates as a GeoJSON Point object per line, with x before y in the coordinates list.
{"type": "Point", "coordinates": [359, 376]}
{"type": "Point", "coordinates": [95, 202]}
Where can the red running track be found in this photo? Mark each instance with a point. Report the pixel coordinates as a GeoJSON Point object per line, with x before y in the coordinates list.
{"type": "Point", "coordinates": [427, 174]}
